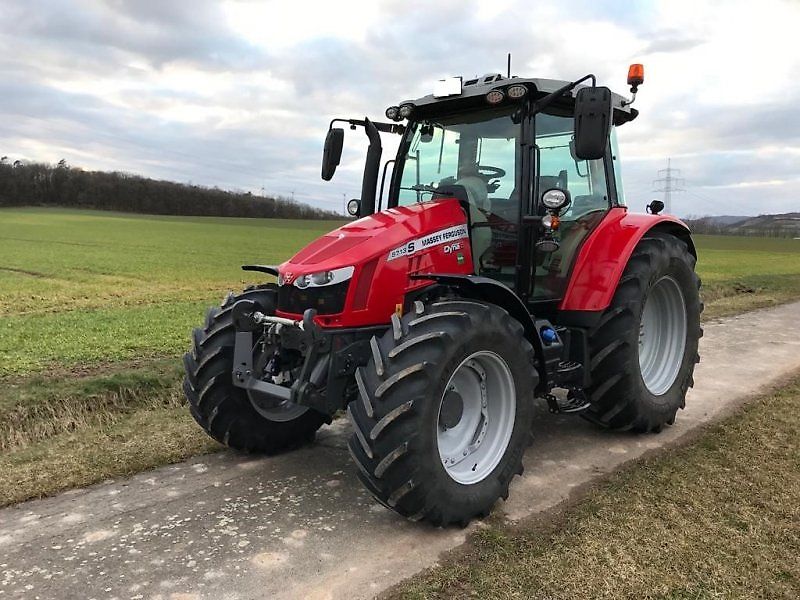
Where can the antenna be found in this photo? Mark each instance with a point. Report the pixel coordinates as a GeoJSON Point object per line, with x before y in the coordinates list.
{"type": "Point", "coordinates": [509, 65]}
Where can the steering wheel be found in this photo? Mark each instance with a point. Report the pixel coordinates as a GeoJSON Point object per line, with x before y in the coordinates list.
{"type": "Point", "coordinates": [490, 172]}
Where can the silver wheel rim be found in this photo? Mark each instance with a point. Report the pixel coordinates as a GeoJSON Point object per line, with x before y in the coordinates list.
{"type": "Point", "coordinates": [471, 448]}
{"type": "Point", "coordinates": [662, 336]}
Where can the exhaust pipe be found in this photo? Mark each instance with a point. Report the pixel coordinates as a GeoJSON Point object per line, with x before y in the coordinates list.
{"type": "Point", "coordinates": [372, 165]}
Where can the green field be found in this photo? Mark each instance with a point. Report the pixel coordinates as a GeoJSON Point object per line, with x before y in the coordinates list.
{"type": "Point", "coordinates": [743, 273]}
{"type": "Point", "coordinates": [79, 288]}
{"type": "Point", "coordinates": [97, 308]}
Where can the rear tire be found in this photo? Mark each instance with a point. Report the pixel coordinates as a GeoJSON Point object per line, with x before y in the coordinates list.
{"type": "Point", "coordinates": [405, 429]}
{"type": "Point", "coordinates": [223, 410]}
{"type": "Point", "coordinates": [644, 350]}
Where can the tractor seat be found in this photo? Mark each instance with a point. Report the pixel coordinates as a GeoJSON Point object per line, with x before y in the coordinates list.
{"type": "Point", "coordinates": [478, 200]}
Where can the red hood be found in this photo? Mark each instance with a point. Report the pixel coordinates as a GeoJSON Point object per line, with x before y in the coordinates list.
{"type": "Point", "coordinates": [371, 236]}
{"type": "Point", "coordinates": [385, 249]}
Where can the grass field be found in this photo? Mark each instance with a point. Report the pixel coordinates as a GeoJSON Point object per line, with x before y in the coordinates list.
{"type": "Point", "coordinates": [743, 273]}
{"type": "Point", "coordinates": [96, 308]}
{"type": "Point", "coordinates": [716, 519]}
{"type": "Point", "coordinates": [80, 287]}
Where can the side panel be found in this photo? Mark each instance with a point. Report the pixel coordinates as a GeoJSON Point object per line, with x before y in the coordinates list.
{"type": "Point", "coordinates": [603, 256]}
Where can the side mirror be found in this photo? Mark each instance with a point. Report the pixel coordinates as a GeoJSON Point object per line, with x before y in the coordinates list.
{"type": "Point", "coordinates": [592, 122]}
{"type": "Point", "coordinates": [332, 153]}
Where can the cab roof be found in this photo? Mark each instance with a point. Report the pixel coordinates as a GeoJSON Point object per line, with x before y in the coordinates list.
{"type": "Point", "coordinates": [473, 92]}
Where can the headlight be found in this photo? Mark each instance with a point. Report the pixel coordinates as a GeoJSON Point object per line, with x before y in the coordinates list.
{"type": "Point", "coordinates": [555, 199]}
{"type": "Point", "coordinates": [323, 278]}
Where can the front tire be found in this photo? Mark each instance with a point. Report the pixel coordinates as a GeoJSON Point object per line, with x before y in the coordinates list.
{"type": "Point", "coordinates": [444, 411]}
{"type": "Point", "coordinates": [223, 410]}
{"type": "Point", "coordinates": [644, 350]}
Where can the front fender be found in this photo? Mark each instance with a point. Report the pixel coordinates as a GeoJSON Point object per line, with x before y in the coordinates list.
{"type": "Point", "coordinates": [490, 290]}
{"type": "Point", "coordinates": [604, 255]}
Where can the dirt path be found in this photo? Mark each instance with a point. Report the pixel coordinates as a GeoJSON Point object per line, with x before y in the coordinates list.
{"type": "Point", "coordinates": [299, 525]}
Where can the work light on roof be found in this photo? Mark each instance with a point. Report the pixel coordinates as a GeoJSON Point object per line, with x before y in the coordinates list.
{"type": "Point", "coordinates": [393, 113]}
{"type": "Point", "coordinates": [495, 97]}
{"type": "Point", "coordinates": [406, 110]}
{"type": "Point", "coordinates": [516, 91]}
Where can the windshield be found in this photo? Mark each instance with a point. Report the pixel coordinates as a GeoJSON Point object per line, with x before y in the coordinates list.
{"type": "Point", "coordinates": [478, 151]}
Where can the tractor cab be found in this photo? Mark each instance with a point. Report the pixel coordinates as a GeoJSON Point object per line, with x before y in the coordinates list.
{"type": "Point", "coordinates": [498, 144]}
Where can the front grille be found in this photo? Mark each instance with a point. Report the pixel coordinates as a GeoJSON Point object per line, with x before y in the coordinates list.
{"type": "Point", "coordinates": [327, 299]}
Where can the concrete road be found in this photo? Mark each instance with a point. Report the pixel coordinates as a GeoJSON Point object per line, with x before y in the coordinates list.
{"type": "Point", "coordinates": [299, 525]}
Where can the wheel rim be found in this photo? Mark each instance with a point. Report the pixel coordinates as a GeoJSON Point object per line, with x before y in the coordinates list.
{"type": "Point", "coordinates": [476, 417]}
{"type": "Point", "coordinates": [662, 336]}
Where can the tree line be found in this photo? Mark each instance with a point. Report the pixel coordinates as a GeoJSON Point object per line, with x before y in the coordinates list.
{"type": "Point", "coordinates": [41, 184]}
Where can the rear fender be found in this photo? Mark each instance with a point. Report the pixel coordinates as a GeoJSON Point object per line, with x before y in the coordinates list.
{"type": "Point", "coordinates": [604, 255]}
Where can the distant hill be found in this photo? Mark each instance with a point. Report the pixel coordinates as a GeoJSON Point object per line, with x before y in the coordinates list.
{"type": "Point", "coordinates": [727, 219]}
{"type": "Point", "coordinates": [38, 184]}
{"type": "Point", "coordinates": [785, 225]}
{"type": "Point", "coordinates": [782, 225]}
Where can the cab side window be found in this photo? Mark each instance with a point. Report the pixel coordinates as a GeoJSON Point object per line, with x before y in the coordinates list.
{"type": "Point", "coordinates": [585, 179]}
{"type": "Point", "coordinates": [586, 182]}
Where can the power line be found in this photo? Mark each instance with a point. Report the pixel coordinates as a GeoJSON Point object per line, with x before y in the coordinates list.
{"type": "Point", "coordinates": [669, 181]}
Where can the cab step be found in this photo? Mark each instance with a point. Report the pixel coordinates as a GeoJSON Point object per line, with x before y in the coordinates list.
{"type": "Point", "coordinates": [575, 402]}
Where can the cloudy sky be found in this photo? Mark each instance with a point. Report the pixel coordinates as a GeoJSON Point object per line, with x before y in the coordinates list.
{"type": "Point", "coordinates": [239, 94]}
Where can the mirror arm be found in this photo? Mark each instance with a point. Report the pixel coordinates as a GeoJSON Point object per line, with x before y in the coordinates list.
{"type": "Point", "coordinates": [382, 127]}
{"type": "Point", "coordinates": [553, 96]}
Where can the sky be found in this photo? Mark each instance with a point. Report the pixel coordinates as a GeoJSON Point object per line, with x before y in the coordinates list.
{"type": "Point", "coordinates": [239, 94]}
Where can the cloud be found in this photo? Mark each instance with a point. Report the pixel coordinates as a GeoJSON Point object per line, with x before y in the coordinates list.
{"type": "Point", "coordinates": [239, 93]}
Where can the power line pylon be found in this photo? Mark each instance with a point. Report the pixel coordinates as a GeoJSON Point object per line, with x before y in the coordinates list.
{"type": "Point", "coordinates": [669, 181]}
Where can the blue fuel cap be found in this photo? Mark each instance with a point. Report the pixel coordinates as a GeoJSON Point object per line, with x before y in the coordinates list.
{"type": "Point", "coordinates": [548, 335]}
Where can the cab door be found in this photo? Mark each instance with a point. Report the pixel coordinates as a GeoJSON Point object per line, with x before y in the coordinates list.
{"type": "Point", "coordinates": [587, 183]}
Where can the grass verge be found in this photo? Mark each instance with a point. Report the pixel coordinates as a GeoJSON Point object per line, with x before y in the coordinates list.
{"type": "Point", "coordinates": [718, 518]}
{"type": "Point", "coordinates": [72, 432]}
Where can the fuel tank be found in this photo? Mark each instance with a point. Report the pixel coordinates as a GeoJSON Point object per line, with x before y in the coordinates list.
{"type": "Point", "coordinates": [359, 274]}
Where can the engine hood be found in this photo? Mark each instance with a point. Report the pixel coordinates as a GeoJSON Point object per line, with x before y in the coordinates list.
{"type": "Point", "coordinates": [374, 235]}
{"type": "Point", "coordinates": [371, 262]}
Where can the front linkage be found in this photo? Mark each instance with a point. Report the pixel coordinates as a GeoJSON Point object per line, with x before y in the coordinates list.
{"type": "Point", "coordinates": [327, 359]}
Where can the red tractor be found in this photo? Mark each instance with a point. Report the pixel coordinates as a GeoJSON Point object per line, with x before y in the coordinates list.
{"type": "Point", "coordinates": [503, 268]}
